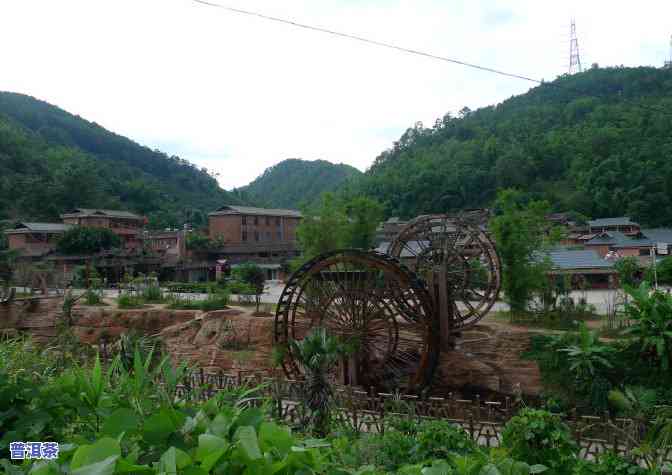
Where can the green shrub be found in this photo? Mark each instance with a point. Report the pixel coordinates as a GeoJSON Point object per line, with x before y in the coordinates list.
{"type": "Point", "coordinates": [239, 287]}
{"type": "Point", "coordinates": [127, 300]}
{"type": "Point", "coordinates": [181, 303]}
{"type": "Point", "coordinates": [394, 449]}
{"type": "Point", "coordinates": [410, 441]}
{"type": "Point", "coordinates": [153, 294]}
{"type": "Point", "coordinates": [538, 437]}
{"type": "Point", "coordinates": [651, 315]}
{"type": "Point", "coordinates": [93, 297]}
{"type": "Point", "coordinates": [608, 463]}
{"type": "Point", "coordinates": [215, 301]}
{"type": "Point", "coordinates": [191, 287]}
{"type": "Point", "coordinates": [438, 439]}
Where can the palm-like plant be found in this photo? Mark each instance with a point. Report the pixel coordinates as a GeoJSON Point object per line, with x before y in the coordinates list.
{"type": "Point", "coordinates": [317, 353]}
{"type": "Point", "coordinates": [651, 316]}
{"type": "Point", "coordinates": [587, 355]}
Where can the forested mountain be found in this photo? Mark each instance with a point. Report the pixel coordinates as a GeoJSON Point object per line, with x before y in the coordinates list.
{"type": "Point", "coordinates": [294, 182]}
{"type": "Point", "coordinates": [52, 160]}
{"type": "Point", "coordinates": [599, 143]}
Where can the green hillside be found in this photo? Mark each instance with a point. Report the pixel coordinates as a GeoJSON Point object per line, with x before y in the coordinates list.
{"type": "Point", "coordinates": [52, 160]}
{"type": "Point", "coordinates": [294, 182]}
{"type": "Point", "coordinates": [599, 142]}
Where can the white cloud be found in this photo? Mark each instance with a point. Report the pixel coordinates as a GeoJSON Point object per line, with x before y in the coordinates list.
{"type": "Point", "coordinates": [237, 94]}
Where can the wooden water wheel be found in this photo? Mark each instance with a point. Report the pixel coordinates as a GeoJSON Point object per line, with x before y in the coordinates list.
{"type": "Point", "coordinates": [459, 262]}
{"type": "Point", "coordinates": [377, 307]}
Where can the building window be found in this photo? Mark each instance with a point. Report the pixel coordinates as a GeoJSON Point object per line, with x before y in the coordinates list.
{"type": "Point", "coordinates": [244, 235]}
{"type": "Point", "coordinates": [256, 220]}
{"type": "Point", "coordinates": [268, 220]}
{"type": "Point", "coordinates": [268, 235]}
{"type": "Point", "coordinates": [256, 235]}
{"type": "Point", "coordinates": [644, 252]}
{"type": "Point", "coordinates": [244, 218]}
{"type": "Point", "coordinates": [277, 221]}
{"type": "Point", "coordinates": [279, 235]}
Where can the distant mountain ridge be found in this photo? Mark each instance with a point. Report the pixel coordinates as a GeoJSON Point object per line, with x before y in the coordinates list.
{"type": "Point", "coordinates": [52, 160]}
{"type": "Point", "coordinates": [294, 182]}
{"type": "Point", "coordinates": [597, 142]}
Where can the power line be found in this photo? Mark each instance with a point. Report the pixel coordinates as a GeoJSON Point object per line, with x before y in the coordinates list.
{"type": "Point", "coordinates": [412, 51]}
{"type": "Point", "coordinates": [367, 40]}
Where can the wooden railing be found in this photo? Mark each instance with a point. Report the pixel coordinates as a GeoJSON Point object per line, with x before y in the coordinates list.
{"type": "Point", "coordinates": [363, 411]}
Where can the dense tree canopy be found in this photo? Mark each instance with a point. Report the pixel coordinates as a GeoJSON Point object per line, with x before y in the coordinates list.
{"type": "Point", "coordinates": [81, 240]}
{"type": "Point", "coordinates": [293, 182]}
{"type": "Point", "coordinates": [337, 224]}
{"type": "Point", "coordinates": [519, 232]}
{"type": "Point", "coordinates": [599, 142]}
{"type": "Point", "coordinates": [52, 160]}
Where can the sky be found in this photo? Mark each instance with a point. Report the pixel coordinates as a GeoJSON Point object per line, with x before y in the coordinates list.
{"type": "Point", "coordinates": [237, 94]}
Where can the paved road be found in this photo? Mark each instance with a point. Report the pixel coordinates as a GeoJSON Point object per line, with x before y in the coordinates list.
{"type": "Point", "coordinates": [601, 299]}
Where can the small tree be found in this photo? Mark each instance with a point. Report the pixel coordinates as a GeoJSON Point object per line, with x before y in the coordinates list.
{"type": "Point", "coordinates": [651, 316]}
{"type": "Point", "coordinates": [664, 271]}
{"type": "Point", "coordinates": [339, 223]}
{"type": "Point", "coordinates": [521, 233]}
{"type": "Point", "coordinates": [323, 229]}
{"type": "Point", "coordinates": [627, 268]}
{"type": "Point", "coordinates": [363, 214]}
{"type": "Point", "coordinates": [254, 276]}
{"type": "Point", "coordinates": [317, 353]}
{"type": "Point", "coordinates": [198, 242]}
{"type": "Point", "coordinates": [81, 240]}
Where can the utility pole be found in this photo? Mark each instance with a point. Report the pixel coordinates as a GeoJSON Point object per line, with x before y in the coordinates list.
{"type": "Point", "coordinates": [574, 58]}
{"type": "Point", "coordinates": [668, 62]}
{"type": "Point", "coordinates": [653, 264]}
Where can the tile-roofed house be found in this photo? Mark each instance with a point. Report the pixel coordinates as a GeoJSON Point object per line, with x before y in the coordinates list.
{"type": "Point", "coordinates": [40, 228]}
{"type": "Point", "coordinates": [622, 224]}
{"type": "Point", "coordinates": [91, 212]}
{"type": "Point", "coordinates": [261, 235]}
{"type": "Point", "coordinates": [626, 245]}
{"type": "Point", "coordinates": [562, 259]}
{"type": "Point", "coordinates": [35, 239]}
{"type": "Point", "coordinates": [251, 211]}
{"type": "Point", "coordinates": [124, 224]}
{"type": "Point", "coordinates": [661, 239]}
{"type": "Point", "coordinates": [388, 230]}
{"type": "Point", "coordinates": [586, 265]}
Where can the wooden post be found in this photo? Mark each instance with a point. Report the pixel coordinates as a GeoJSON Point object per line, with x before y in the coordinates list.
{"type": "Point", "coordinates": [443, 303]}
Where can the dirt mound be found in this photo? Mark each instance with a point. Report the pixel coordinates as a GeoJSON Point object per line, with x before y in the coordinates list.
{"type": "Point", "coordinates": [230, 340]}
{"type": "Point", "coordinates": [488, 359]}
{"type": "Point", "coordinates": [90, 325]}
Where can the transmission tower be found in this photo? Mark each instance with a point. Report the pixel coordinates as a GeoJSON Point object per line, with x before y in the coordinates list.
{"type": "Point", "coordinates": [574, 59]}
{"type": "Point", "coordinates": [668, 63]}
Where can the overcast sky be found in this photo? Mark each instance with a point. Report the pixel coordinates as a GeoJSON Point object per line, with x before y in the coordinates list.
{"type": "Point", "coordinates": [237, 94]}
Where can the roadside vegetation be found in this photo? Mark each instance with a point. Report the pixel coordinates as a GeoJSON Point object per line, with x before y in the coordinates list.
{"type": "Point", "coordinates": [114, 419]}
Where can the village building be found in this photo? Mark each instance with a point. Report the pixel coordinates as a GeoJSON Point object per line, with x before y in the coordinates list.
{"type": "Point", "coordinates": [621, 224]}
{"type": "Point", "coordinates": [586, 268]}
{"type": "Point", "coordinates": [34, 240]}
{"type": "Point", "coordinates": [241, 234]}
{"type": "Point", "coordinates": [624, 245]}
{"type": "Point", "coordinates": [126, 225]}
{"type": "Point", "coordinates": [169, 244]}
{"type": "Point", "coordinates": [388, 230]}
